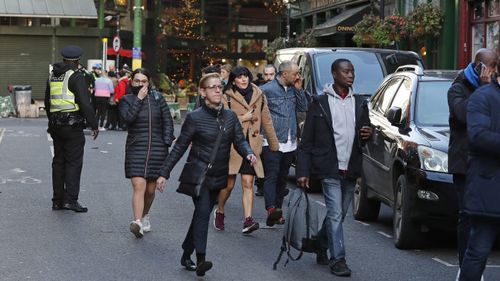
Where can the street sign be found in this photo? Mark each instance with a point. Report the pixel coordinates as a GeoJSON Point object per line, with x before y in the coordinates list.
{"type": "Point", "coordinates": [116, 44]}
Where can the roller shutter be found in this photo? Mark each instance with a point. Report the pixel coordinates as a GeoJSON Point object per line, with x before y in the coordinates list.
{"type": "Point", "coordinates": [25, 61]}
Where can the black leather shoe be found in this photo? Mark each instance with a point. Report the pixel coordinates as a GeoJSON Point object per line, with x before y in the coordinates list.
{"type": "Point", "coordinates": [57, 206]}
{"type": "Point", "coordinates": [322, 257]}
{"type": "Point", "coordinates": [75, 207]}
{"type": "Point", "coordinates": [340, 268]}
{"type": "Point", "coordinates": [188, 264]}
{"type": "Point", "coordinates": [203, 267]}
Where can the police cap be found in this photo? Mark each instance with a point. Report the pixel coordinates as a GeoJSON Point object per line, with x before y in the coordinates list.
{"type": "Point", "coordinates": [71, 52]}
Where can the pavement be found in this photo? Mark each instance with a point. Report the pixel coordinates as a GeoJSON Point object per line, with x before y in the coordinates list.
{"type": "Point", "coordinates": [40, 244]}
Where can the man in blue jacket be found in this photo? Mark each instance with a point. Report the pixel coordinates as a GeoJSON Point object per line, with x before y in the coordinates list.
{"type": "Point", "coordinates": [285, 97]}
{"type": "Point", "coordinates": [477, 73]}
{"type": "Point", "coordinates": [482, 191]}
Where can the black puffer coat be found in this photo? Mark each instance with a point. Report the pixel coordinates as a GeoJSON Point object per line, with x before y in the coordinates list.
{"type": "Point", "coordinates": [200, 129]}
{"type": "Point", "coordinates": [150, 133]}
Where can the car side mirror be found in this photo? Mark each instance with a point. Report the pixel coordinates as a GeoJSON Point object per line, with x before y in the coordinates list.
{"type": "Point", "coordinates": [394, 116]}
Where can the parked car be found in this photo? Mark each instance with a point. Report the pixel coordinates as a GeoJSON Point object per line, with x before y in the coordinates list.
{"type": "Point", "coordinates": [371, 65]}
{"type": "Point", "coordinates": [405, 164]}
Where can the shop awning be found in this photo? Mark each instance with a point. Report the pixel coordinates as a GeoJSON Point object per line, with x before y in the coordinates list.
{"type": "Point", "coordinates": [127, 53]}
{"type": "Point", "coordinates": [343, 22]}
{"type": "Point", "coordinates": [76, 9]}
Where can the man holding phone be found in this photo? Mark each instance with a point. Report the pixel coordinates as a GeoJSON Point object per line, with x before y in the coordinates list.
{"type": "Point", "coordinates": [476, 74]}
{"type": "Point", "coordinates": [336, 127]}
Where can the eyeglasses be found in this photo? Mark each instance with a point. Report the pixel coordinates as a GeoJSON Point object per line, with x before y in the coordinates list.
{"type": "Point", "coordinates": [220, 87]}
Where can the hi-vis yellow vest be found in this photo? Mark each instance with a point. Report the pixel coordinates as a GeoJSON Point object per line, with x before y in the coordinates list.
{"type": "Point", "coordinates": [61, 98]}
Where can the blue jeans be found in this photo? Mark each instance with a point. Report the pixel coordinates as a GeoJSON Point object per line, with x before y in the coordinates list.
{"type": "Point", "coordinates": [338, 196]}
{"type": "Point", "coordinates": [276, 167]}
{"type": "Point", "coordinates": [482, 236]}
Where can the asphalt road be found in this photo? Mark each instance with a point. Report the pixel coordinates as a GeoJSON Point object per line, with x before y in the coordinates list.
{"type": "Point", "coordinates": [37, 243]}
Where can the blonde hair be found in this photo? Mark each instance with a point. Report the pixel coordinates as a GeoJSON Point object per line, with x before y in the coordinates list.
{"type": "Point", "coordinates": [206, 77]}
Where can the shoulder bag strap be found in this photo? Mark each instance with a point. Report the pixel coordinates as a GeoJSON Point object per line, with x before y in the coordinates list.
{"type": "Point", "coordinates": [217, 142]}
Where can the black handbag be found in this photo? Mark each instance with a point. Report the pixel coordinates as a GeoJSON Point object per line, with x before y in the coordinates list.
{"type": "Point", "coordinates": [194, 172]}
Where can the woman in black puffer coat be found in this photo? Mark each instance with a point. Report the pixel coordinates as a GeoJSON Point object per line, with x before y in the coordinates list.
{"type": "Point", "coordinates": [150, 134]}
{"type": "Point", "coordinates": [200, 129]}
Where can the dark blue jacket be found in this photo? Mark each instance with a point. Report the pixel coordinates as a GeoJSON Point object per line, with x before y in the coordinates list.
{"type": "Point", "coordinates": [482, 194]}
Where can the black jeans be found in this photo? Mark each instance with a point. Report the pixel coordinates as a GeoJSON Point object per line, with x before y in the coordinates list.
{"type": "Point", "coordinates": [276, 174]}
{"type": "Point", "coordinates": [67, 163]}
{"type": "Point", "coordinates": [112, 120]}
{"type": "Point", "coordinates": [102, 109]}
{"type": "Point", "coordinates": [463, 223]}
{"type": "Point", "coordinates": [196, 237]}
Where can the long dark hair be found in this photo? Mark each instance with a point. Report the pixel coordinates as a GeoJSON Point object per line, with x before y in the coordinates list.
{"type": "Point", "coordinates": [144, 72]}
{"type": "Point", "coordinates": [235, 72]}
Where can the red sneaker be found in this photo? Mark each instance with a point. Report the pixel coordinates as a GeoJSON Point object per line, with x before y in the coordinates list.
{"type": "Point", "coordinates": [218, 220]}
{"type": "Point", "coordinates": [273, 216]}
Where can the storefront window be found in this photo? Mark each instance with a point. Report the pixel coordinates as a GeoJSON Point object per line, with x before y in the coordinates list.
{"type": "Point", "coordinates": [492, 30]}
{"type": "Point", "coordinates": [493, 8]}
{"type": "Point", "coordinates": [477, 37]}
{"type": "Point", "coordinates": [478, 10]}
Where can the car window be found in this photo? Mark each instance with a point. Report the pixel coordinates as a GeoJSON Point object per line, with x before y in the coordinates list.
{"type": "Point", "coordinates": [393, 61]}
{"type": "Point", "coordinates": [402, 98]}
{"type": "Point", "coordinates": [306, 74]}
{"type": "Point", "coordinates": [366, 68]}
{"type": "Point", "coordinates": [431, 106]}
{"type": "Point", "coordinates": [382, 101]}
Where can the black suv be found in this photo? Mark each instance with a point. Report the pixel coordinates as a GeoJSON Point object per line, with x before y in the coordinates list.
{"type": "Point", "coordinates": [405, 164]}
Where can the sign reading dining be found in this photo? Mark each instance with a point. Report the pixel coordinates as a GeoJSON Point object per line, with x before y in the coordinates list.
{"type": "Point", "coordinates": [323, 3]}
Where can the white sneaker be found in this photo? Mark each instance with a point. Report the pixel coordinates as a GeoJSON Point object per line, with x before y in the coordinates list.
{"type": "Point", "coordinates": [146, 224]}
{"type": "Point", "coordinates": [102, 129]}
{"type": "Point", "coordinates": [136, 228]}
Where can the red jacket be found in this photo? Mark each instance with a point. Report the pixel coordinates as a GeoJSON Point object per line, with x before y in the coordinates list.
{"type": "Point", "coordinates": [121, 88]}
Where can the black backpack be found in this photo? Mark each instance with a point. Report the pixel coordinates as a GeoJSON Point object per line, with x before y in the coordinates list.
{"type": "Point", "coordinates": [302, 223]}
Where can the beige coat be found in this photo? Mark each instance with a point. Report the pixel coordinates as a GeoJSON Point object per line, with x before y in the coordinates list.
{"type": "Point", "coordinates": [251, 128]}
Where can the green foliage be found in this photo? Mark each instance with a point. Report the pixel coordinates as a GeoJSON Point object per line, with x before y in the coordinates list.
{"type": "Point", "coordinates": [371, 29]}
{"type": "Point", "coordinates": [167, 85]}
{"type": "Point", "coordinates": [425, 20]}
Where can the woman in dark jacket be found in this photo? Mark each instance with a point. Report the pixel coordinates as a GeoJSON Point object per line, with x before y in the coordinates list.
{"type": "Point", "coordinates": [200, 129]}
{"type": "Point", "coordinates": [150, 134]}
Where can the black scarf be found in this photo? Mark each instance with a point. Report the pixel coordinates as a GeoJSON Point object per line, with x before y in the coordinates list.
{"type": "Point", "coordinates": [246, 93]}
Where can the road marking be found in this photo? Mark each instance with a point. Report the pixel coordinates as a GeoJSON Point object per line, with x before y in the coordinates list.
{"type": "Point", "coordinates": [444, 263]}
{"type": "Point", "coordinates": [2, 131]}
{"type": "Point", "coordinates": [384, 234]}
{"type": "Point", "coordinates": [110, 143]}
{"type": "Point", "coordinates": [49, 138]}
{"type": "Point", "coordinates": [103, 151]}
{"type": "Point", "coordinates": [363, 223]}
{"type": "Point", "coordinates": [52, 150]}
{"type": "Point", "coordinates": [456, 265]}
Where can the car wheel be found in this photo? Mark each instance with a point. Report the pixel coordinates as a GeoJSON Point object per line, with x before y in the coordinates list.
{"type": "Point", "coordinates": [407, 234]}
{"type": "Point", "coordinates": [363, 208]}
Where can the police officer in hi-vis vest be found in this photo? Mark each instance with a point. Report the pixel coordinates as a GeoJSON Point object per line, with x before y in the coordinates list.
{"type": "Point", "coordinates": [67, 103]}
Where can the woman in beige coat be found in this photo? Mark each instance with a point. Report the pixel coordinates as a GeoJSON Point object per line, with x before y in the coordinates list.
{"type": "Point", "coordinates": [248, 102]}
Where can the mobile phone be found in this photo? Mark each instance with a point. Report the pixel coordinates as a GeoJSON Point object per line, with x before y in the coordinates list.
{"type": "Point", "coordinates": [479, 67]}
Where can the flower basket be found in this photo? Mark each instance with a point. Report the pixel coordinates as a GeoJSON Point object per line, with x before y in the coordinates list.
{"type": "Point", "coordinates": [425, 20]}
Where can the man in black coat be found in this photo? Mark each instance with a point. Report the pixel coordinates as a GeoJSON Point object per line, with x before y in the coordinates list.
{"type": "Point", "coordinates": [336, 127]}
{"type": "Point", "coordinates": [68, 108]}
{"type": "Point", "coordinates": [468, 80]}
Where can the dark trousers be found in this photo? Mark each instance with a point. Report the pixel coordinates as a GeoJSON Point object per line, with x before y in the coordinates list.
{"type": "Point", "coordinates": [482, 236]}
{"type": "Point", "coordinates": [102, 109]}
{"type": "Point", "coordinates": [196, 237]}
{"type": "Point", "coordinates": [276, 174]}
{"type": "Point", "coordinates": [112, 121]}
{"type": "Point", "coordinates": [67, 163]}
{"type": "Point", "coordinates": [463, 223]}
